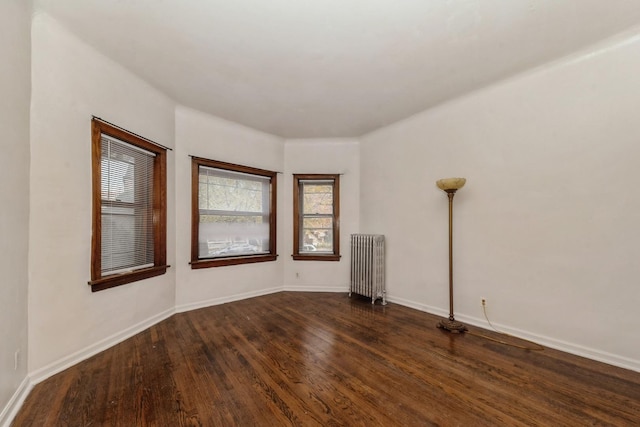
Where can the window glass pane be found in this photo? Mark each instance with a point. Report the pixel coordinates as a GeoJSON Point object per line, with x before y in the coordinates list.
{"type": "Point", "coordinates": [234, 213]}
{"type": "Point", "coordinates": [317, 234]}
{"type": "Point", "coordinates": [120, 242]}
{"type": "Point", "coordinates": [221, 235]}
{"type": "Point", "coordinates": [126, 187]}
{"type": "Point", "coordinates": [317, 199]}
{"type": "Point", "coordinates": [228, 191]}
{"type": "Point", "coordinates": [116, 179]}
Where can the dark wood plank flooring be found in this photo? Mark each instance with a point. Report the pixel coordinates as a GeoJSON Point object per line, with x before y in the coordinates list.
{"type": "Point", "coordinates": [323, 359]}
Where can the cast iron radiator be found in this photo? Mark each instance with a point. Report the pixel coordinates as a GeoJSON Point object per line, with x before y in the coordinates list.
{"type": "Point", "coordinates": [367, 266]}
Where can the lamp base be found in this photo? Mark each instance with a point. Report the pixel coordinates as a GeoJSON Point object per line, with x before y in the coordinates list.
{"type": "Point", "coordinates": [452, 326]}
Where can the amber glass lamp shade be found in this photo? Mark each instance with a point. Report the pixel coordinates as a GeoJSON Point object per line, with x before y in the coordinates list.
{"type": "Point", "coordinates": [448, 184]}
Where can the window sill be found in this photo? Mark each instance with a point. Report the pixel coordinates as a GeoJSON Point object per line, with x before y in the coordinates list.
{"type": "Point", "coordinates": [316, 257]}
{"type": "Point", "coordinates": [124, 278]}
{"type": "Point", "coordinates": [221, 262]}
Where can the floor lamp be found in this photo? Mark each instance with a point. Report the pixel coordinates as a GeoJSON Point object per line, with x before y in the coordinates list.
{"type": "Point", "coordinates": [450, 186]}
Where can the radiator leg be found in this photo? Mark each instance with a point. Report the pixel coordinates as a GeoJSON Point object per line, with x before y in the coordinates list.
{"type": "Point", "coordinates": [384, 297]}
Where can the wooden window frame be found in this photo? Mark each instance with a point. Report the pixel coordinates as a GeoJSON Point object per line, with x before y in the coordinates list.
{"type": "Point", "coordinates": [196, 261]}
{"type": "Point", "coordinates": [99, 282]}
{"type": "Point", "coordinates": [297, 218]}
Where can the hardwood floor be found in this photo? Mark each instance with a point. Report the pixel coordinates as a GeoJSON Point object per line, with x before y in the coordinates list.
{"type": "Point", "coordinates": [322, 359]}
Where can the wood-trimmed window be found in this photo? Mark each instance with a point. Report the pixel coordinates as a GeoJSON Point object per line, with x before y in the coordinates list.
{"type": "Point", "coordinates": [129, 210]}
{"type": "Point", "coordinates": [316, 217]}
{"type": "Point", "coordinates": [233, 214]}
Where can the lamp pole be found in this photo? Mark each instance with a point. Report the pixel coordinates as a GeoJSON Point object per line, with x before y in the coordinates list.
{"type": "Point", "coordinates": [450, 186]}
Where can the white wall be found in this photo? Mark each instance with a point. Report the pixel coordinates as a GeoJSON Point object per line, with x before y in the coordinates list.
{"type": "Point", "coordinates": [70, 83]}
{"type": "Point", "coordinates": [546, 228]}
{"type": "Point", "coordinates": [15, 84]}
{"type": "Point", "coordinates": [202, 135]}
{"type": "Point", "coordinates": [323, 156]}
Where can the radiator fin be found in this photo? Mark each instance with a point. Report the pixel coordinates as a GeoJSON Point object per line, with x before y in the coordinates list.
{"type": "Point", "coordinates": [367, 267]}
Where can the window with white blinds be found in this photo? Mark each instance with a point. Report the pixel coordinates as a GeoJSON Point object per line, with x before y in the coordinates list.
{"type": "Point", "coordinates": [129, 207]}
{"type": "Point", "coordinates": [126, 191]}
{"type": "Point", "coordinates": [233, 214]}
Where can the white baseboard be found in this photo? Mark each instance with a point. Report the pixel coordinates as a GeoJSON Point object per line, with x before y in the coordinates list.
{"type": "Point", "coordinates": [567, 347]}
{"type": "Point", "coordinates": [217, 301]}
{"type": "Point", "coordinates": [181, 308]}
{"type": "Point", "coordinates": [422, 307]}
{"type": "Point", "coordinates": [78, 356]}
{"type": "Point", "coordinates": [335, 289]}
{"type": "Point", "coordinates": [9, 412]}
{"type": "Point", "coordinates": [70, 360]}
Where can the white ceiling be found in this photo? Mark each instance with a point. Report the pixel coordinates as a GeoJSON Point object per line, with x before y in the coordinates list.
{"type": "Point", "coordinates": [333, 68]}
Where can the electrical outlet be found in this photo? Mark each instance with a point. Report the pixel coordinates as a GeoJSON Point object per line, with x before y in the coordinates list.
{"type": "Point", "coordinates": [484, 302]}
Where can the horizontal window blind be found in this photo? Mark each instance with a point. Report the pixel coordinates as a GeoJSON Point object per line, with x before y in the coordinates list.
{"type": "Point", "coordinates": [126, 184]}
